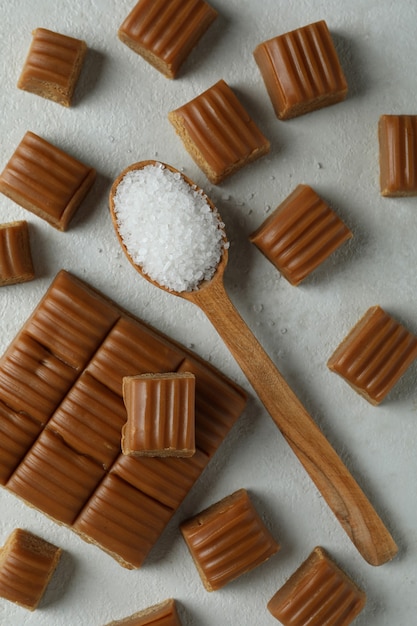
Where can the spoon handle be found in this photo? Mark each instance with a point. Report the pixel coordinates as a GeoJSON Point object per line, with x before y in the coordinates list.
{"type": "Point", "coordinates": [337, 486]}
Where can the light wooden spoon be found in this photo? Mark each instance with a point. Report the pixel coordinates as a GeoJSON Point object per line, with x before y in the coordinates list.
{"type": "Point", "coordinates": [337, 486]}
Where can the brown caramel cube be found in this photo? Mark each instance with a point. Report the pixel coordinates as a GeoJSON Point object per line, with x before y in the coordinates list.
{"type": "Point", "coordinates": [160, 415]}
{"type": "Point", "coordinates": [218, 133]}
{"type": "Point", "coordinates": [300, 234]}
{"type": "Point", "coordinates": [318, 593]}
{"type": "Point", "coordinates": [227, 540]}
{"type": "Point", "coordinates": [163, 614]}
{"type": "Point", "coordinates": [52, 66]}
{"type": "Point", "coordinates": [45, 180]}
{"type": "Point", "coordinates": [374, 355]}
{"type": "Point", "coordinates": [27, 563]}
{"type": "Point", "coordinates": [398, 155]}
{"type": "Point", "coordinates": [15, 257]}
{"type": "Point", "coordinates": [164, 32]}
{"type": "Point", "coordinates": [301, 70]}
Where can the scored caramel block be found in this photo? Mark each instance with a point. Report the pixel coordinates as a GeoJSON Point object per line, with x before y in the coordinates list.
{"type": "Point", "coordinates": [15, 257]}
{"type": "Point", "coordinates": [160, 415]}
{"type": "Point", "coordinates": [164, 32]}
{"type": "Point", "coordinates": [318, 593]}
{"type": "Point", "coordinates": [374, 355]}
{"type": "Point", "coordinates": [300, 234]}
{"type": "Point", "coordinates": [301, 70]}
{"type": "Point", "coordinates": [163, 614]}
{"type": "Point", "coordinates": [52, 66]}
{"type": "Point", "coordinates": [27, 563]}
{"type": "Point", "coordinates": [398, 155]}
{"type": "Point", "coordinates": [218, 133]}
{"type": "Point", "coordinates": [227, 540]}
{"type": "Point", "coordinates": [46, 181]}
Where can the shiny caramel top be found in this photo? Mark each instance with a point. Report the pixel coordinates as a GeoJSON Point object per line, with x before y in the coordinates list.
{"type": "Point", "coordinates": [163, 614]}
{"type": "Point", "coordinates": [398, 155]}
{"type": "Point", "coordinates": [15, 257]}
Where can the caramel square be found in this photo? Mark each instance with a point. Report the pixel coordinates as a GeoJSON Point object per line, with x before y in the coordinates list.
{"type": "Point", "coordinates": [300, 234]}
{"type": "Point", "coordinates": [301, 70]}
{"type": "Point", "coordinates": [374, 355]}
{"type": "Point", "coordinates": [165, 614]}
{"type": "Point", "coordinates": [227, 540]}
{"type": "Point", "coordinates": [318, 593]}
{"type": "Point", "coordinates": [398, 155]}
{"type": "Point", "coordinates": [52, 66]}
{"type": "Point", "coordinates": [164, 32]}
{"type": "Point", "coordinates": [46, 181]}
{"type": "Point", "coordinates": [218, 133]}
{"type": "Point", "coordinates": [15, 256]}
{"type": "Point", "coordinates": [160, 415]}
{"type": "Point", "coordinates": [27, 563]}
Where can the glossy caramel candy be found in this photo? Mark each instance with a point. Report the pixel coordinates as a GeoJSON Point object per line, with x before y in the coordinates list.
{"type": "Point", "coordinates": [15, 256]}
{"type": "Point", "coordinates": [300, 234]}
{"type": "Point", "coordinates": [46, 181]}
{"type": "Point", "coordinates": [218, 133]}
{"type": "Point", "coordinates": [374, 355]}
{"type": "Point", "coordinates": [27, 563]}
{"type": "Point", "coordinates": [164, 32]}
{"type": "Point", "coordinates": [52, 66]}
{"type": "Point", "coordinates": [398, 155]}
{"type": "Point", "coordinates": [160, 415]}
{"type": "Point", "coordinates": [163, 614]}
{"type": "Point", "coordinates": [318, 593]}
{"type": "Point", "coordinates": [227, 540]}
{"type": "Point", "coordinates": [301, 70]}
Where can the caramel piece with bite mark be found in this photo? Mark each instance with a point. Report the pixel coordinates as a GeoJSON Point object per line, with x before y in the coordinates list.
{"type": "Point", "coordinates": [398, 155]}
{"type": "Point", "coordinates": [27, 563]}
{"type": "Point", "coordinates": [374, 355]}
{"type": "Point", "coordinates": [52, 66]}
{"type": "Point", "coordinates": [301, 70]}
{"type": "Point", "coordinates": [160, 415]}
{"type": "Point", "coordinates": [218, 133]}
{"type": "Point", "coordinates": [164, 32]}
{"type": "Point", "coordinates": [15, 256]}
{"type": "Point", "coordinates": [163, 614]}
{"type": "Point", "coordinates": [318, 593]}
{"type": "Point", "coordinates": [227, 540]}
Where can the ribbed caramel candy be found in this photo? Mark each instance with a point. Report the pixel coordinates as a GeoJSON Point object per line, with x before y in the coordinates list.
{"type": "Point", "coordinates": [301, 70]}
{"type": "Point", "coordinates": [160, 415]}
{"type": "Point", "coordinates": [300, 234]}
{"type": "Point", "coordinates": [227, 540]}
{"type": "Point", "coordinates": [163, 614]}
{"type": "Point", "coordinates": [52, 66]}
{"type": "Point", "coordinates": [27, 563]}
{"type": "Point", "coordinates": [15, 256]}
{"type": "Point", "coordinates": [46, 181]}
{"type": "Point", "coordinates": [164, 32]}
{"type": "Point", "coordinates": [218, 133]}
{"type": "Point", "coordinates": [318, 593]}
{"type": "Point", "coordinates": [374, 355]}
{"type": "Point", "coordinates": [398, 155]}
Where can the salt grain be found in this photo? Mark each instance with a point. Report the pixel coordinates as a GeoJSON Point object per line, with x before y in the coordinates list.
{"type": "Point", "coordinates": [168, 228]}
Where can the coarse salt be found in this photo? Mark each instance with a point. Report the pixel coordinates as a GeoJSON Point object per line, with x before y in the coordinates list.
{"type": "Point", "coordinates": [168, 228]}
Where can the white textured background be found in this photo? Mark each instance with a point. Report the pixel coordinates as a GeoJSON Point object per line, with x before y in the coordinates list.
{"type": "Point", "coordinates": [119, 117]}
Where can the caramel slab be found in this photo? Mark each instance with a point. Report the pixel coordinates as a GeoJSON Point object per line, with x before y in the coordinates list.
{"type": "Point", "coordinates": [218, 133]}
{"type": "Point", "coordinates": [301, 70]}
{"type": "Point", "coordinates": [16, 264]}
{"type": "Point", "coordinates": [163, 614]}
{"type": "Point", "coordinates": [398, 155]}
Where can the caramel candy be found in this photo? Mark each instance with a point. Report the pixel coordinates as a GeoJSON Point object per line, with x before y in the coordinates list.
{"type": "Point", "coordinates": [62, 412]}
{"type": "Point", "coordinates": [398, 155]}
{"type": "Point", "coordinates": [53, 65]}
{"type": "Point", "coordinates": [15, 257]}
{"type": "Point", "coordinates": [218, 133]}
{"type": "Point", "coordinates": [318, 593]}
{"type": "Point", "coordinates": [374, 355]}
{"type": "Point", "coordinates": [160, 415]}
{"type": "Point", "coordinates": [27, 563]}
{"type": "Point", "coordinates": [300, 234]}
{"type": "Point", "coordinates": [301, 70]}
{"type": "Point", "coordinates": [227, 540]}
{"type": "Point", "coordinates": [46, 181]}
{"type": "Point", "coordinates": [163, 614]}
{"type": "Point", "coordinates": [164, 32]}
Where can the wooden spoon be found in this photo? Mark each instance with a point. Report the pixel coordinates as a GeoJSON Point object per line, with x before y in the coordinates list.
{"type": "Point", "coordinates": [337, 486]}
